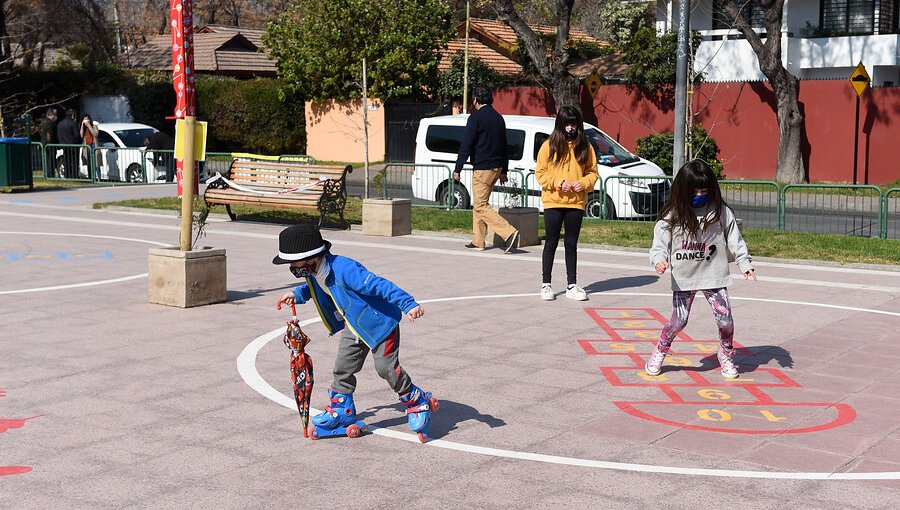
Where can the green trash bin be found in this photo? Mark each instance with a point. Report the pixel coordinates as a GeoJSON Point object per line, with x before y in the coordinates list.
{"type": "Point", "coordinates": [14, 167]}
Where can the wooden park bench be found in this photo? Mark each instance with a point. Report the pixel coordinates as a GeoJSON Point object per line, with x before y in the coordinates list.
{"type": "Point", "coordinates": [281, 185]}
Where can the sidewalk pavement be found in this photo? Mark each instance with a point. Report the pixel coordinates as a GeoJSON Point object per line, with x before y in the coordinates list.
{"type": "Point", "coordinates": [107, 401]}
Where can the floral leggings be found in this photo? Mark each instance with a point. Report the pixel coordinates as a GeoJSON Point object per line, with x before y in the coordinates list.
{"type": "Point", "coordinates": [681, 308]}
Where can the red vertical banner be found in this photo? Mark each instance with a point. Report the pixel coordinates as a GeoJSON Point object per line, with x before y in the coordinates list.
{"type": "Point", "coordinates": [183, 73]}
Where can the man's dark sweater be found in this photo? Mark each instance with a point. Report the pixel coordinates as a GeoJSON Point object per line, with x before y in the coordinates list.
{"type": "Point", "coordinates": [484, 141]}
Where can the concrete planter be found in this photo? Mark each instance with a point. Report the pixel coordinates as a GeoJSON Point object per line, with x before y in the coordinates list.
{"type": "Point", "coordinates": [387, 216]}
{"type": "Point", "coordinates": [187, 278]}
{"type": "Point", "coordinates": [523, 219]}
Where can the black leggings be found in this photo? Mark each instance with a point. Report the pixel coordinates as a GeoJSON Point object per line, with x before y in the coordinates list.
{"type": "Point", "coordinates": [554, 218]}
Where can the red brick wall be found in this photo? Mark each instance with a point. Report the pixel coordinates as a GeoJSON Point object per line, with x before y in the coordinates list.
{"type": "Point", "coordinates": [741, 118]}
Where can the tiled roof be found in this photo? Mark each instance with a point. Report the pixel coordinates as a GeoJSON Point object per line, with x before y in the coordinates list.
{"type": "Point", "coordinates": [609, 67]}
{"type": "Point", "coordinates": [506, 35]}
{"type": "Point", "coordinates": [493, 59]}
{"type": "Point", "coordinates": [225, 53]}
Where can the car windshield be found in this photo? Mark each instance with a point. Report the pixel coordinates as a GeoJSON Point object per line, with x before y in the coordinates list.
{"type": "Point", "coordinates": [609, 152]}
{"type": "Point", "coordinates": [134, 137]}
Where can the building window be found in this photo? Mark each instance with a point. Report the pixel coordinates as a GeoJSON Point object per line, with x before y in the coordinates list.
{"type": "Point", "coordinates": [859, 17]}
{"type": "Point", "coordinates": [751, 10]}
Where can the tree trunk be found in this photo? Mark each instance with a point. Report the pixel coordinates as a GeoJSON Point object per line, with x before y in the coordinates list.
{"type": "Point", "coordinates": [566, 89]}
{"type": "Point", "coordinates": [552, 65]}
{"type": "Point", "coordinates": [790, 123]}
{"type": "Point", "coordinates": [789, 168]}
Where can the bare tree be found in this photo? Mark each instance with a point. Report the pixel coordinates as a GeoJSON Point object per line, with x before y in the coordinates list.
{"type": "Point", "coordinates": [552, 66]}
{"type": "Point", "coordinates": [785, 85]}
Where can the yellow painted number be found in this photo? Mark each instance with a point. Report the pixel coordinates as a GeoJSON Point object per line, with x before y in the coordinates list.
{"type": "Point", "coordinates": [623, 347]}
{"type": "Point", "coordinates": [714, 394]}
{"type": "Point", "coordinates": [713, 415]}
{"type": "Point", "coordinates": [706, 348]}
{"type": "Point", "coordinates": [771, 417]}
{"type": "Point", "coordinates": [652, 378]}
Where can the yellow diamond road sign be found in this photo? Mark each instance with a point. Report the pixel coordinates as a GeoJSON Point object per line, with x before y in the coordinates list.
{"type": "Point", "coordinates": [859, 78]}
{"type": "Point", "coordinates": [593, 83]}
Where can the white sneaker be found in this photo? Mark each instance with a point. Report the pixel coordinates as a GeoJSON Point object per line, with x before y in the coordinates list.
{"type": "Point", "coordinates": [655, 362]}
{"type": "Point", "coordinates": [726, 360]}
{"type": "Point", "coordinates": [547, 292]}
{"type": "Point", "coordinates": [577, 293]}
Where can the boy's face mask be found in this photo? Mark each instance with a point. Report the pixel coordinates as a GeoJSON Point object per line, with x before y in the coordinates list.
{"type": "Point", "coordinates": [308, 270]}
{"type": "Point", "coordinates": [699, 200]}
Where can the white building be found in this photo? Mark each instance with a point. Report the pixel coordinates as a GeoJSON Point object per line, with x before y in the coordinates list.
{"type": "Point", "coordinates": [821, 39]}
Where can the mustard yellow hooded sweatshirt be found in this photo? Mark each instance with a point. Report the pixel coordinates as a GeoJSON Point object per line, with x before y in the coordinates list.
{"type": "Point", "coordinates": [551, 174]}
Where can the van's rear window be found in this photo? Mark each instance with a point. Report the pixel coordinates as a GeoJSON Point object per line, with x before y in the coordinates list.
{"type": "Point", "coordinates": [448, 138]}
{"type": "Point", "coordinates": [444, 138]}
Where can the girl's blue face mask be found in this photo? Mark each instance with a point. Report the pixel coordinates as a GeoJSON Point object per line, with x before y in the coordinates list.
{"type": "Point", "coordinates": [699, 200]}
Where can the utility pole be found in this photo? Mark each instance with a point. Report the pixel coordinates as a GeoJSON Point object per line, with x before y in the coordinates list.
{"type": "Point", "coordinates": [118, 27]}
{"type": "Point", "coordinates": [466, 65]}
{"type": "Point", "coordinates": [365, 106]}
{"type": "Point", "coordinates": [681, 78]}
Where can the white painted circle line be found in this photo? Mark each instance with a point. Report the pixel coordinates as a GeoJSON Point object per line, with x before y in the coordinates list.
{"type": "Point", "coordinates": [246, 365]}
{"type": "Point", "coordinates": [82, 284]}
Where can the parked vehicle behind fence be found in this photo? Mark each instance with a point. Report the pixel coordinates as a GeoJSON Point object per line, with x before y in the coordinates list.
{"type": "Point", "coordinates": [120, 155]}
{"type": "Point", "coordinates": [632, 192]}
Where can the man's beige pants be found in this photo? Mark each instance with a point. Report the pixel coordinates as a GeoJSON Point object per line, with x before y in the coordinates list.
{"type": "Point", "coordinates": [483, 215]}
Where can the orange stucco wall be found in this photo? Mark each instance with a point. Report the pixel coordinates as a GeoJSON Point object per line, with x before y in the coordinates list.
{"type": "Point", "coordinates": [334, 131]}
{"type": "Point", "coordinates": [741, 118]}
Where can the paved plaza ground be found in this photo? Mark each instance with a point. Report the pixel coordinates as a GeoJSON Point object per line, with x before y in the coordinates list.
{"type": "Point", "coordinates": [108, 401]}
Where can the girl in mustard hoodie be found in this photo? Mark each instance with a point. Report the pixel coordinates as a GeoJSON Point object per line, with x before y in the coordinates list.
{"type": "Point", "coordinates": [566, 170]}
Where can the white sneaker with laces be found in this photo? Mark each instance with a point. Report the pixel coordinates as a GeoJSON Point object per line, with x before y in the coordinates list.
{"type": "Point", "coordinates": [655, 362]}
{"type": "Point", "coordinates": [547, 292]}
{"type": "Point", "coordinates": [729, 370]}
{"type": "Point", "coordinates": [576, 293]}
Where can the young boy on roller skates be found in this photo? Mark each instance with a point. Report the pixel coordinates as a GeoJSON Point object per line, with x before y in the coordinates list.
{"type": "Point", "coordinates": [367, 309]}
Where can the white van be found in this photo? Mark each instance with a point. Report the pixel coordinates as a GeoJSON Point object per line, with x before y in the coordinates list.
{"type": "Point", "coordinates": [438, 140]}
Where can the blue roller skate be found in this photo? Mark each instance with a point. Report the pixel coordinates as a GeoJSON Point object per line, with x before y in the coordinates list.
{"type": "Point", "coordinates": [419, 406]}
{"type": "Point", "coordinates": [338, 419]}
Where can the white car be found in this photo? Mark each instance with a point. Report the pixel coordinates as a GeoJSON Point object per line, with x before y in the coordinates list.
{"type": "Point", "coordinates": [635, 187]}
{"type": "Point", "coordinates": [120, 155]}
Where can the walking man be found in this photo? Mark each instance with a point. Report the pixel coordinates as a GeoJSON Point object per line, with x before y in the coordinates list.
{"type": "Point", "coordinates": [484, 143]}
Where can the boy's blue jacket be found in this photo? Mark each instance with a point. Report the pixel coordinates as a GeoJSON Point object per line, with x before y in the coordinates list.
{"type": "Point", "coordinates": [371, 306]}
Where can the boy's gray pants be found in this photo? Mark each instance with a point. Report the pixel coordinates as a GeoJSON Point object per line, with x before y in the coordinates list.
{"type": "Point", "coordinates": [351, 356]}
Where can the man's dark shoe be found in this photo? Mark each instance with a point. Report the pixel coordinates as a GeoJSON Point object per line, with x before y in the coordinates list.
{"type": "Point", "coordinates": [472, 246]}
{"type": "Point", "coordinates": [512, 242]}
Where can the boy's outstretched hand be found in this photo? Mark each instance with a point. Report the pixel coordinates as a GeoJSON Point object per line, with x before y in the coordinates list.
{"type": "Point", "coordinates": [415, 313]}
{"type": "Point", "coordinates": [750, 274]}
{"type": "Point", "coordinates": [287, 299]}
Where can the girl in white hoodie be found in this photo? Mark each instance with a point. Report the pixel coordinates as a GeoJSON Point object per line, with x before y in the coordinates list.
{"type": "Point", "coordinates": [697, 236]}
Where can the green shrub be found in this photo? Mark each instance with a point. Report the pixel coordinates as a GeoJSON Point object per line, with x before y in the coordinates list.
{"type": "Point", "coordinates": [659, 149]}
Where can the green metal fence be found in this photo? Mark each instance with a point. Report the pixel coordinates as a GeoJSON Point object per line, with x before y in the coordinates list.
{"type": "Point", "coordinates": [890, 214]}
{"type": "Point", "coordinates": [757, 203]}
{"type": "Point", "coordinates": [832, 209]}
{"type": "Point", "coordinates": [426, 185]}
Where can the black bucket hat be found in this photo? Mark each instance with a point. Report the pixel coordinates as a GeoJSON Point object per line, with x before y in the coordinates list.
{"type": "Point", "coordinates": [300, 242]}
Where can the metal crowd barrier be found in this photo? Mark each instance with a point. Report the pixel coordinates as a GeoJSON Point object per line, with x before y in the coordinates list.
{"type": "Point", "coordinates": [832, 209]}
{"type": "Point", "coordinates": [304, 159]}
{"type": "Point", "coordinates": [426, 185]}
{"type": "Point", "coordinates": [890, 224]}
{"type": "Point", "coordinates": [629, 198]}
{"type": "Point", "coordinates": [757, 203]}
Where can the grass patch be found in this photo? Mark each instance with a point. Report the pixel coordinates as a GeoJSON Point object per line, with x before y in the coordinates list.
{"type": "Point", "coordinates": [632, 234]}
{"type": "Point", "coordinates": [44, 184]}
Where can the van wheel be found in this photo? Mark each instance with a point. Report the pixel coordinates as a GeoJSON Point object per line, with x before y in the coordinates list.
{"type": "Point", "coordinates": [593, 208]}
{"type": "Point", "coordinates": [134, 173]}
{"type": "Point", "coordinates": [460, 198]}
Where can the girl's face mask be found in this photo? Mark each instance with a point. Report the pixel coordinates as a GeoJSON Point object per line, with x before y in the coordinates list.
{"type": "Point", "coordinates": [699, 200]}
{"type": "Point", "coordinates": [570, 132]}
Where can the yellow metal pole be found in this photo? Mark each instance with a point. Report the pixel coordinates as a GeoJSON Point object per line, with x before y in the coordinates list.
{"type": "Point", "coordinates": [187, 188]}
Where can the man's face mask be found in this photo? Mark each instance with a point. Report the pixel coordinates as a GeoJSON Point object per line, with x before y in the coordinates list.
{"type": "Point", "coordinates": [570, 133]}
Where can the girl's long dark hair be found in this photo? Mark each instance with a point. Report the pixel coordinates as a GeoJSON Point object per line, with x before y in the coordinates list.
{"type": "Point", "coordinates": [559, 147]}
{"type": "Point", "coordinates": [678, 211]}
